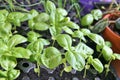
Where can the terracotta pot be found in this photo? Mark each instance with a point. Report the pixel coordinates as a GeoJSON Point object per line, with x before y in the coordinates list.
{"type": "Point", "coordinates": [109, 35]}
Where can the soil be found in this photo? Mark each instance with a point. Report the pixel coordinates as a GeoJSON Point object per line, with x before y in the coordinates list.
{"type": "Point", "coordinates": [74, 75]}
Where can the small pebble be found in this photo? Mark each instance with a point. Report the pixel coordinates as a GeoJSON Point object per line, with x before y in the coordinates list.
{"type": "Point", "coordinates": [51, 78]}
{"type": "Point", "coordinates": [97, 78]}
{"type": "Point", "coordinates": [73, 71]}
{"type": "Point", "coordinates": [25, 78]}
{"type": "Point", "coordinates": [75, 78]}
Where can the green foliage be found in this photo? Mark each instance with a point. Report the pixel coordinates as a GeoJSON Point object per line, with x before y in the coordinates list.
{"type": "Point", "coordinates": [62, 34]}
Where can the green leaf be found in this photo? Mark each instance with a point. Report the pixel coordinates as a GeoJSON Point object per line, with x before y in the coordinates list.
{"type": "Point", "coordinates": [85, 31]}
{"type": "Point", "coordinates": [20, 52]}
{"type": "Point", "coordinates": [97, 39]}
{"type": "Point", "coordinates": [117, 56]}
{"type": "Point", "coordinates": [97, 65]}
{"type": "Point", "coordinates": [36, 46]}
{"type": "Point", "coordinates": [15, 40]}
{"type": "Point", "coordinates": [71, 25]}
{"type": "Point", "coordinates": [97, 14]}
{"type": "Point", "coordinates": [61, 11]}
{"type": "Point", "coordinates": [64, 41]}
{"type": "Point", "coordinates": [50, 6]}
{"type": "Point", "coordinates": [13, 74]}
{"type": "Point", "coordinates": [84, 50]}
{"type": "Point", "coordinates": [53, 32]}
{"type": "Point", "coordinates": [3, 47]}
{"type": "Point", "coordinates": [117, 23]}
{"type": "Point", "coordinates": [100, 26]}
{"type": "Point", "coordinates": [41, 26]}
{"type": "Point", "coordinates": [2, 18]}
{"type": "Point", "coordinates": [33, 36]}
{"type": "Point", "coordinates": [34, 13]}
{"type": "Point", "coordinates": [107, 53]}
{"type": "Point", "coordinates": [79, 34]}
{"type": "Point", "coordinates": [87, 20]}
{"type": "Point", "coordinates": [31, 23]}
{"type": "Point", "coordinates": [3, 74]}
{"type": "Point", "coordinates": [75, 60]}
{"type": "Point", "coordinates": [67, 68]}
{"type": "Point", "coordinates": [27, 16]}
{"type": "Point", "coordinates": [36, 58]}
{"type": "Point", "coordinates": [67, 30]}
{"type": "Point", "coordinates": [4, 12]}
{"type": "Point", "coordinates": [8, 62]}
{"type": "Point", "coordinates": [44, 41]}
{"type": "Point", "coordinates": [51, 57]}
{"type": "Point", "coordinates": [42, 17]}
{"type": "Point", "coordinates": [15, 18]}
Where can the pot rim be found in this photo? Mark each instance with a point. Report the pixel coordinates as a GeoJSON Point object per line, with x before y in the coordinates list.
{"type": "Point", "coordinates": [107, 28]}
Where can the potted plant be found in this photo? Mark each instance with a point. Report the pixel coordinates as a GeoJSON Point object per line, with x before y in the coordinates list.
{"type": "Point", "coordinates": [109, 27]}
{"type": "Point", "coordinates": [50, 39]}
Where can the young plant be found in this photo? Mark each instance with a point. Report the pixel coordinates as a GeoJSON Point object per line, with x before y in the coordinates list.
{"type": "Point", "coordinates": [53, 49]}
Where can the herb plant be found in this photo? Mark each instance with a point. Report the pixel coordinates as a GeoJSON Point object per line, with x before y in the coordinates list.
{"type": "Point", "coordinates": [47, 51]}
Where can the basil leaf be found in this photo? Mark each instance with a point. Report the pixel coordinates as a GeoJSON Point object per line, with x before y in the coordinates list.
{"type": "Point", "coordinates": [34, 13]}
{"type": "Point", "coordinates": [71, 25]}
{"type": "Point", "coordinates": [53, 32]}
{"type": "Point", "coordinates": [13, 74]}
{"type": "Point", "coordinates": [42, 17]}
{"type": "Point", "coordinates": [75, 60]}
{"type": "Point", "coordinates": [50, 6]}
{"type": "Point", "coordinates": [41, 26]}
{"type": "Point", "coordinates": [100, 26]}
{"type": "Point", "coordinates": [3, 74]}
{"type": "Point", "coordinates": [117, 56]}
{"type": "Point", "coordinates": [97, 65]}
{"type": "Point", "coordinates": [14, 17]}
{"type": "Point", "coordinates": [107, 52]}
{"type": "Point", "coordinates": [61, 11]}
{"type": "Point", "coordinates": [3, 48]}
{"type": "Point", "coordinates": [20, 52]}
{"type": "Point", "coordinates": [31, 23]}
{"type": "Point", "coordinates": [51, 57]}
{"type": "Point", "coordinates": [67, 30]}
{"type": "Point", "coordinates": [27, 16]}
{"type": "Point", "coordinates": [33, 36]}
{"type": "Point", "coordinates": [97, 39]}
{"type": "Point", "coordinates": [36, 46]}
{"type": "Point", "coordinates": [85, 31]}
{"type": "Point", "coordinates": [97, 14]}
{"type": "Point", "coordinates": [15, 40]}
{"type": "Point", "coordinates": [64, 41]}
{"type": "Point", "coordinates": [44, 41]}
{"type": "Point", "coordinates": [4, 12]}
{"type": "Point", "coordinates": [2, 18]}
{"type": "Point", "coordinates": [79, 34]}
{"type": "Point", "coordinates": [83, 49]}
{"type": "Point", "coordinates": [8, 62]}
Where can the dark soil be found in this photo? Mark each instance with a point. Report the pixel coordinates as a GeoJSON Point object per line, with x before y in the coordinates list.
{"type": "Point", "coordinates": [74, 75]}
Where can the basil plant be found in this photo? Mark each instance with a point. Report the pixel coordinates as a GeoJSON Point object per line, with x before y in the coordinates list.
{"type": "Point", "coordinates": [52, 49]}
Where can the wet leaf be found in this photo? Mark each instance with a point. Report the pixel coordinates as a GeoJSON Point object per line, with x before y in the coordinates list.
{"type": "Point", "coordinates": [51, 57]}
{"type": "Point", "coordinates": [64, 41]}
{"type": "Point", "coordinates": [75, 60]}
{"type": "Point", "coordinates": [100, 26]}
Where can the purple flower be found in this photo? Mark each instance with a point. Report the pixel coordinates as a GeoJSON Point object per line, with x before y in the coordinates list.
{"type": "Point", "coordinates": [87, 5]}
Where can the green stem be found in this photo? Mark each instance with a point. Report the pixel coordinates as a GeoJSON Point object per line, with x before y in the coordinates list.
{"type": "Point", "coordinates": [84, 75]}
{"type": "Point", "coordinates": [53, 43]}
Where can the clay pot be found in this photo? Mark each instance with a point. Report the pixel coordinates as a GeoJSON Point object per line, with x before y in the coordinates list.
{"type": "Point", "coordinates": [109, 35]}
